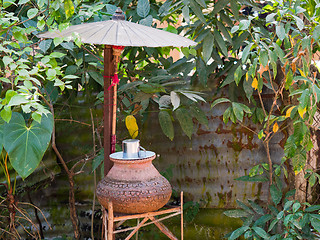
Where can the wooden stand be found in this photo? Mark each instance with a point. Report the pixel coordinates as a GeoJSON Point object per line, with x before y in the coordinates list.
{"type": "Point", "coordinates": [110, 218]}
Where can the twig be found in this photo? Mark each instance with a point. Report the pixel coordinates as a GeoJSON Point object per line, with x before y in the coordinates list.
{"type": "Point", "coordinates": [25, 203]}
{"type": "Point", "coordinates": [71, 120]}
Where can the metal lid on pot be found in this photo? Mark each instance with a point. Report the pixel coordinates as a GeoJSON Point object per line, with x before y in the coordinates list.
{"type": "Point", "coordinates": [131, 150]}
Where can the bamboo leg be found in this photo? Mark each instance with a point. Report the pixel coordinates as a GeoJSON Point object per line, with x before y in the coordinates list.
{"type": "Point", "coordinates": [137, 234]}
{"type": "Point", "coordinates": [110, 221]}
{"type": "Point", "coordinates": [137, 228]}
{"type": "Point", "coordinates": [181, 205]}
{"type": "Point", "coordinates": [163, 228]}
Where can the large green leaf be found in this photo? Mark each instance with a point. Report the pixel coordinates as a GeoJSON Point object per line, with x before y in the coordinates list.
{"type": "Point", "coordinates": [26, 145]}
{"type": "Point", "coordinates": [185, 120]}
{"type": "Point", "coordinates": [143, 8]}
{"type": "Point", "coordinates": [208, 42]}
{"type": "Point", "coordinates": [166, 123]}
{"type": "Point", "coordinates": [276, 194]}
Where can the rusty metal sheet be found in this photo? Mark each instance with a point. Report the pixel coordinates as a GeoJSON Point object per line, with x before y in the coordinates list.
{"type": "Point", "coordinates": [205, 166]}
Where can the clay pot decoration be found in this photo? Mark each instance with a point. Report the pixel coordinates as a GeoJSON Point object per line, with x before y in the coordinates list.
{"type": "Point", "coordinates": [133, 184]}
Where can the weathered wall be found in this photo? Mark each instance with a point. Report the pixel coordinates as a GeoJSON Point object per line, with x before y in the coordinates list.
{"type": "Point", "coordinates": [205, 166]}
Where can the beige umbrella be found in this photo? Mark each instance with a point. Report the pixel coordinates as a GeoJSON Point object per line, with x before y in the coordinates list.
{"type": "Point", "coordinates": [115, 34]}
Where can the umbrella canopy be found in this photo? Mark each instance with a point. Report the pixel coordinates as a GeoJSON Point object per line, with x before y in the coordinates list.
{"type": "Point", "coordinates": [122, 33]}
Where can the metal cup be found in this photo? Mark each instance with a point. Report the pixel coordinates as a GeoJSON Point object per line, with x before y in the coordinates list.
{"type": "Point", "coordinates": [130, 148]}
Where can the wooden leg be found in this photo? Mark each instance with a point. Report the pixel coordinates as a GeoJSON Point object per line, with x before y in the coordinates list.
{"type": "Point", "coordinates": [163, 228]}
{"type": "Point", "coordinates": [181, 205]}
{"type": "Point", "coordinates": [110, 221]}
{"type": "Point", "coordinates": [104, 224]}
{"type": "Point", "coordinates": [137, 228]}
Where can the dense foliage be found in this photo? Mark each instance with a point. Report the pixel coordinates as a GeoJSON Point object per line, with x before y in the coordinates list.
{"type": "Point", "coordinates": [256, 49]}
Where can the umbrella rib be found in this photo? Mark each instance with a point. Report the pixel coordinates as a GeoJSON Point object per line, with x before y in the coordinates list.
{"type": "Point", "coordinates": [94, 33]}
{"type": "Point", "coordinates": [148, 35]}
{"type": "Point", "coordinates": [107, 31]}
{"type": "Point", "coordinates": [127, 35]}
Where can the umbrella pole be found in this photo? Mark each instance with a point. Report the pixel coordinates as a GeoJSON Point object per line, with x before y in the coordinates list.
{"type": "Point", "coordinates": [114, 120]}
{"type": "Point", "coordinates": [107, 108]}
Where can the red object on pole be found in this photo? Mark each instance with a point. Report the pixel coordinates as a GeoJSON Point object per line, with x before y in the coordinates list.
{"type": "Point", "coordinates": [107, 107]}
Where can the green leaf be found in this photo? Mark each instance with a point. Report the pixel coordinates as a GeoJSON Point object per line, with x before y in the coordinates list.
{"type": "Point", "coordinates": [175, 100]}
{"type": "Point", "coordinates": [236, 213]}
{"type": "Point", "coordinates": [197, 10]}
{"type": "Point", "coordinates": [166, 124]}
{"type": "Point", "coordinates": [57, 54]}
{"type": "Point", "coordinates": [185, 121]}
{"type": "Point", "coordinates": [97, 77]}
{"type": "Point", "coordinates": [219, 100]}
{"type": "Point", "coordinates": [226, 115]}
{"type": "Point", "coordinates": [199, 115]}
{"type": "Point", "coordinates": [221, 42]}
{"type": "Point", "coordinates": [208, 42]}
{"type": "Point", "coordinates": [256, 178]}
{"type": "Point", "coordinates": [238, 111]}
{"type": "Point", "coordinates": [312, 208]}
{"type": "Point", "coordinates": [224, 31]}
{"type": "Point", "coordinates": [246, 52]}
{"type": "Point", "coordinates": [276, 194]}
{"type": "Point", "coordinates": [2, 123]}
{"type": "Point", "coordinates": [32, 12]}
{"type": "Point", "coordinates": [6, 113]}
{"type": "Point", "coordinates": [98, 160]}
{"type": "Point", "coordinates": [146, 21]}
{"type": "Point", "coordinates": [219, 5]}
{"type": "Point", "coordinates": [262, 233]}
{"type": "Point", "coordinates": [298, 162]}
{"type": "Point", "coordinates": [238, 75]}
{"type": "Point", "coordinates": [238, 232]}
{"type": "Point", "coordinates": [272, 224]}
{"type": "Point", "coordinates": [281, 32]}
{"type": "Point", "coordinates": [263, 57]}
{"type": "Point", "coordinates": [143, 8]}
{"type": "Point", "coordinates": [256, 207]}
{"type": "Point", "coordinates": [202, 3]}
{"type": "Point", "coordinates": [8, 3]}
{"type": "Point", "coordinates": [45, 45]}
{"type": "Point", "coordinates": [316, 32]}
{"type": "Point", "coordinates": [17, 100]}
{"type": "Point", "coordinates": [244, 24]}
{"type": "Point", "coordinates": [234, 9]}
{"type": "Point", "coordinates": [27, 145]}
{"type": "Point", "coordinates": [299, 22]}
{"type": "Point", "coordinates": [247, 87]}
{"type": "Point", "coordinates": [68, 8]}
{"type": "Point", "coordinates": [6, 60]}
{"type": "Point", "coordinates": [186, 14]}
{"type": "Point", "coordinates": [315, 224]}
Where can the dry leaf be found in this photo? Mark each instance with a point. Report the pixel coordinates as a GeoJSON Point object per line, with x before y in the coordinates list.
{"type": "Point", "coordinates": [262, 69]}
{"type": "Point", "coordinates": [255, 83]}
{"type": "Point", "coordinates": [302, 111]}
{"type": "Point", "coordinates": [288, 113]}
{"type": "Point", "coordinates": [131, 124]}
{"type": "Point", "coordinates": [275, 127]}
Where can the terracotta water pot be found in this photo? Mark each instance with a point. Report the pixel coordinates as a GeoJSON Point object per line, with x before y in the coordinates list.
{"type": "Point", "coordinates": [134, 185]}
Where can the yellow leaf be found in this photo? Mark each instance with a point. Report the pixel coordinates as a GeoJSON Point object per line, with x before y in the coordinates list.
{"type": "Point", "coordinates": [302, 111]}
{"type": "Point", "coordinates": [288, 113]}
{"type": "Point", "coordinates": [275, 127]}
{"type": "Point", "coordinates": [255, 83]}
{"type": "Point", "coordinates": [247, 76]}
{"type": "Point", "coordinates": [301, 72]}
{"type": "Point", "coordinates": [131, 124]}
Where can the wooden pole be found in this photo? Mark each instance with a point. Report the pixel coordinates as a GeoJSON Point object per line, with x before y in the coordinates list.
{"type": "Point", "coordinates": [107, 108]}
